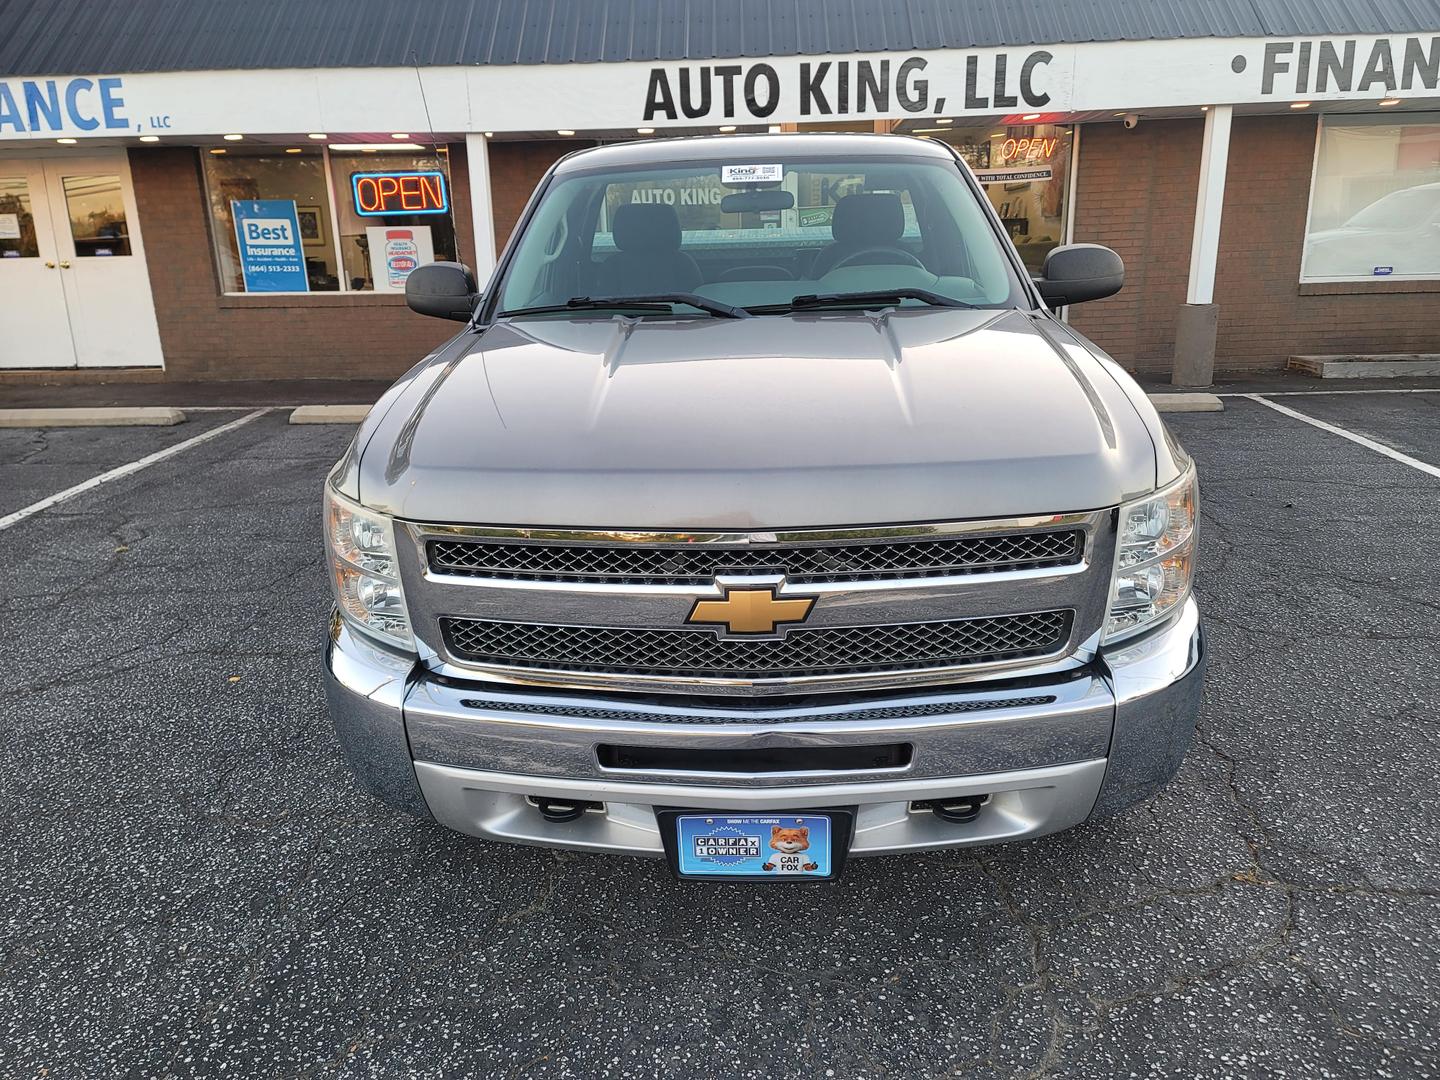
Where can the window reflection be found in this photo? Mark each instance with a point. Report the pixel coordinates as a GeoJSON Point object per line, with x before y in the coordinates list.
{"type": "Point", "coordinates": [97, 215]}
{"type": "Point", "coordinates": [268, 174]}
{"type": "Point", "coordinates": [17, 226]}
{"type": "Point", "coordinates": [1375, 201]}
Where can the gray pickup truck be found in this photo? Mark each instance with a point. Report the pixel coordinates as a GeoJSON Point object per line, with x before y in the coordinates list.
{"type": "Point", "coordinates": [763, 514]}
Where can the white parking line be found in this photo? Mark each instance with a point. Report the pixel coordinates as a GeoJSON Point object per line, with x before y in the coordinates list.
{"type": "Point", "coordinates": [125, 470]}
{"type": "Point", "coordinates": [1325, 393]}
{"type": "Point", "coordinates": [1369, 444]}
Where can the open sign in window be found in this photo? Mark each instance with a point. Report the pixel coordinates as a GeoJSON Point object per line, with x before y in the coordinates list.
{"type": "Point", "coordinates": [382, 194]}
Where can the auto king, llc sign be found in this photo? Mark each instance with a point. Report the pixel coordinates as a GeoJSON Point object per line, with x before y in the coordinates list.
{"type": "Point", "coordinates": [1129, 75]}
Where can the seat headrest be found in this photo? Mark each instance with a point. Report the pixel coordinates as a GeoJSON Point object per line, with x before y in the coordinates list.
{"type": "Point", "coordinates": [647, 227]}
{"type": "Point", "coordinates": [868, 220]}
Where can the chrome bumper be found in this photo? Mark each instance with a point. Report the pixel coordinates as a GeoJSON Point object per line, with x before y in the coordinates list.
{"type": "Point", "coordinates": [1048, 755]}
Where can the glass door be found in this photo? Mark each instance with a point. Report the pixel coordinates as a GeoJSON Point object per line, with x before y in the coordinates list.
{"type": "Point", "coordinates": [32, 294]}
{"type": "Point", "coordinates": [102, 261]}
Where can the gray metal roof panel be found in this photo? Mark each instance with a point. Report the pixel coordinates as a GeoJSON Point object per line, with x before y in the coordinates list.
{"type": "Point", "coordinates": [91, 36]}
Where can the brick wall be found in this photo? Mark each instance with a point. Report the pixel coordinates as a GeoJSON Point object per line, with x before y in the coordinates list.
{"type": "Point", "coordinates": [1136, 193]}
{"type": "Point", "coordinates": [205, 335]}
{"type": "Point", "coordinates": [515, 169]}
{"type": "Point", "coordinates": [1265, 314]}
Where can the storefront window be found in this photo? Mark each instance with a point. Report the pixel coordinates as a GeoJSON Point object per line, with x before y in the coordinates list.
{"type": "Point", "coordinates": [395, 214]}
{"type": "Point", "coordinates": [276, 199]}
{"type": "Point", "coordinates": [1024, 170]}
{"type": "Point", "coordinates": [17, 227]}
{"type": "Point", "coordinates": [1375, 200]}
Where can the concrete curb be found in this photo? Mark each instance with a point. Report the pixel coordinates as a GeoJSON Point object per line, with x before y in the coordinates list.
{"type": "Point", "coordinates": [1187, 403]}
{"type": "Point", "coordinates": [329, 414]}
{"type": "Point", "coordinates": [114, 417]}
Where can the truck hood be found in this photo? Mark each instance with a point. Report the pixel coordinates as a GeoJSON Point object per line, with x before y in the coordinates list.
{"type": "Point", "coordinates": [795, 421]}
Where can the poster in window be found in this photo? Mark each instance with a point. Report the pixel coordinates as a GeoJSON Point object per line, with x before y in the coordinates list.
{"type": "Point", "coordinates": [267, 235]}
{"type": "Point", "coordinates": [395, 252]}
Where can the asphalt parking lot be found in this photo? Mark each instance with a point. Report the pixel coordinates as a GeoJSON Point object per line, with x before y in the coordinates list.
{"type": "Point", "coordinates": [192, 885]}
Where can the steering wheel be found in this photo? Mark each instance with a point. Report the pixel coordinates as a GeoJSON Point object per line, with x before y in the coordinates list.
{"type": "Point", "coordinates": [893, 256]}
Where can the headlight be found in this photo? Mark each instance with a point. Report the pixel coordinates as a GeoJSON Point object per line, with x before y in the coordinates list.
{"type": "Point", "coordinates": [1154, 558]}
{"type": "Point", "coordinates": [364, 571]}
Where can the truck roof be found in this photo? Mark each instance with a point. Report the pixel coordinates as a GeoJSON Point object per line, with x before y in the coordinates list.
{"type": "Point", "coordinates": [751, 147]}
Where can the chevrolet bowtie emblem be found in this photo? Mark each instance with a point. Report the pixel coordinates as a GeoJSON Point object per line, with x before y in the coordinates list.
{"type": "Point", "coordinates": [751, 611]}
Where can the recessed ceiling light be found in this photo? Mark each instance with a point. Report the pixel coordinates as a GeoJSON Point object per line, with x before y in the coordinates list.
{"type": "Point", "coordinates": [292, 150]}
{"type": "Point", "coordinates": [67, 142]}
{"type": "Point", "coordinates": [1299, 104]}
{"type": "Point", "coordinates": [489, 134]}
{"type": "Point", "coordinates": [1122, 114]}
{"type": "Point", "coordinates": [947, 120]}
{"type": "Point", "coordinates": [644, 131]}
{"type": "Point", "coordinates": [727, 127]}
{"type": "Point", "coordinates": [1204, 108]}
{"type": "Point", "coordinates": [1391, 101]}
{"type": "Point", "coordinates": [774, 129]}
{"type": "Point", "coordinates": [1031, 116]}
{"type": "Point", "coordinates": [400, 135]}
{"type": "Point", "coordinates": [233, 138]}
{"type": "Point", "coordinates": [217, 150]}
{"type": "Point", "coordinates": [318, 135]}
{"type": "Point", "coordinates": [149, 138]}
{"type": "Point", "coordinates": [371, 148]}
{"type": "Point", "coordinates": [565, 131]}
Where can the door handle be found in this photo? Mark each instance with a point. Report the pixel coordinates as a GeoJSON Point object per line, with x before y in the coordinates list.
{"type": "Point", "coordinates": [64, 264]}
{"type": "Point", "coordinates": [49, 264]}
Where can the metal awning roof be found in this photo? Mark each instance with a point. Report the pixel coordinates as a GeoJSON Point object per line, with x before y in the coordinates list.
{"type": "Point", "coordinates": [71, 37]}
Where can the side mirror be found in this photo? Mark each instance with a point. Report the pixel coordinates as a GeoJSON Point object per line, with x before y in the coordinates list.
{"type": "Point", "coordinates": [445, 290]}
{"type": "Point", "coordinates": [1078, 272]}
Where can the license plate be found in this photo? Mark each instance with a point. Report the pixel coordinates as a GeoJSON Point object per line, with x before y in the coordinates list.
{"type": "Point", "coordinates": [783, 847]}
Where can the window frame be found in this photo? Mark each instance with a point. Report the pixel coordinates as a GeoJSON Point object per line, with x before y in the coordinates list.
{"type": "Point", "coordinates": [336, 251]}
{"type": "Point", "coordinates": [1397, 282]}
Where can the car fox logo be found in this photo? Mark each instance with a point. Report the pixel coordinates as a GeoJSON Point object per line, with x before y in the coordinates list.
{"type": "Point", "coordinates": [788, 845]}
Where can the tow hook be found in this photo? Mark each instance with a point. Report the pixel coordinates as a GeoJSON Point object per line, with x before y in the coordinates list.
{"type": "Point", "coordinates": [958, 810]}
{"type": "Point", "coordinates": [559, 811]}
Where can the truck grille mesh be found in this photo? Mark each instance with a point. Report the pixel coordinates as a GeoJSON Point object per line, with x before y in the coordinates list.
{"type": "Point", "coordinates": [663, 564]}
{"type": "Point", "coordinates": [818, 651]}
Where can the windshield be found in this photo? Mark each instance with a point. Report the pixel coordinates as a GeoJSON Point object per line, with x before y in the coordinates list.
{"type": "Point", "coordinates": [758, 235]}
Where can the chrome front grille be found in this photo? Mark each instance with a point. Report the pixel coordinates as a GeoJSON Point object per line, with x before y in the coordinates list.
{"type": "Point", "coordinates": [808, 563]}
{"type": "Point", "coordinates": [801, 652]}
{"type": "Point", "coordinates": [893, 606]}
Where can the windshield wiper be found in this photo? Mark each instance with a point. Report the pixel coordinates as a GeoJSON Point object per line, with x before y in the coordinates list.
{"type": "Point", "coordinates": [880, 297]}
{"type": "Point", "coordinates": [648, 302]}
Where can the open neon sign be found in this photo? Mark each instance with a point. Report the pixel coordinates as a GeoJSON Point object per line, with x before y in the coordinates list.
{"type": "Point", "coordinates": [378, 194]}
{"type": "Point", "coordinates": [1036, 149]}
